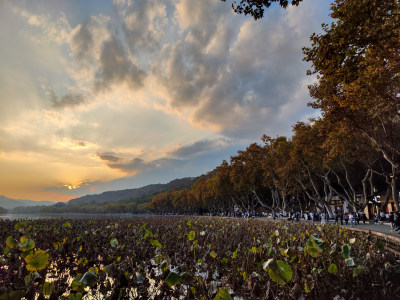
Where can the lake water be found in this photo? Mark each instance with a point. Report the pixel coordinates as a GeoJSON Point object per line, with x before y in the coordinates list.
{"type": "Point", "coordinates": [66, 216]}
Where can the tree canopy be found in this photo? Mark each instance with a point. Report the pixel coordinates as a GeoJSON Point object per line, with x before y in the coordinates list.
{"type": "Point", "coordinates": [256, 8]}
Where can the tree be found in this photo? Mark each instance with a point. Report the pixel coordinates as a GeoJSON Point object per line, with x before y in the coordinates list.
{"type": "Point", "coordinates": [256, 8]}
{"type": "Point", "coordinates": [357, 62]}
{"type": "Point", "coordinates": [247, 177]}
{"type": "Point", "coordinates": [278, 172]}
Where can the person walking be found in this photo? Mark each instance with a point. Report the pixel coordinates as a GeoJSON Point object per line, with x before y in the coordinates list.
{"type": "Point", "coordinates": [351, 219]}
{"type": "Point", "coordinates": [391, 220]}
{"type": "Point", "coordinates": [357, 217]}
{"type": "Point", "coordinates": [363, 216]}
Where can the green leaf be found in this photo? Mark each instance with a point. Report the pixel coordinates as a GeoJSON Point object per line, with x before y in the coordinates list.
{"type": "Point", "coordinates": [332, 269]}
{"type": "Point", "coordinates": [77, 296]}
{"type": "Point", "coordinates": [279, 271]}
{"type": "Point", "coordinates": [67, 224]}
{"type": "Point", "coordinates": [37, 261]}
{"type": "Point", "coordinates": [314, 246]}
{"type": "Point", "coordinates": [148, 233]}
{"type": "Point", "coordinates": [317, 241]}
{"type": "Point", "coordinates": [26, 244]}
{"type": "Point", "coordinates": [346, 250]}
{"type": "Point", "coordinates": [75, 285]}
{"type": "Point", "coordinates": [173, 279]}
{"type": "Point", "coordinates": [89, 278]}
{"type": "Point", "coordinates": [224, 261]}
{"type": "Point", "coordinates": [350, 262]}
{"type": "Point", "coordinates": [114, 243]}
{"type": "Point", "coordinates": [191, 235]}
{"type": "Point", "coordinates": [189, 223]}
{"type": "Point", "coordinates": [306, 289]}
{"type": "Point", "coordinates": [48, 288]}
{"type": "Point", "coordinates": [31, 277]}
{"type": "Point", "coordinates": [223, 295]}
{"type": "Point", "coordinates": [253, 250]}
{"type": "Point", "coordinates": [213, 254]}
{"type": "Point", "coordinates": [13, 295]}
{"type": "Point", "coordinates": [234, 254]}
{"type": "Point", "coordinates": [11, 243]}
{"type": "Point", "coordinates": [358, 270]}
{"type": "Point", "coordinates": [379, 246]}
{"type": "Point", "coordinates": [156, 243]}
{"type": "Point", "coordinates": [6, 251]}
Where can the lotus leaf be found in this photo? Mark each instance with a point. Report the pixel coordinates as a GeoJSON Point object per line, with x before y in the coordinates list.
{"type": "Point", "coordinates": [11, 243]}
{"type": "Point", "coordinates": [332, 269]}
{"type": "Point", "coordinates": [37, 261]}
{"type": "Point", "coordinates": [48, 288]}
{"type": "Point", "coordinates": [113, 243]}
{"type": "Point", "coordinates": [26, 244]}
{"type": "Point", "coordinates": [89, 278]}
{"type": "Point", "coordinates": [191, 235]}
{"type": "Point", "coordinates": [346, 250]}
{"type": "Point", "coordinates": [279, 271]}
{"type": "Point", "coordinates": [156, 243]}
{"type": "Point", "coordinates": [173, 279]}
{"type": "Point", "coordinates": [223, 295]}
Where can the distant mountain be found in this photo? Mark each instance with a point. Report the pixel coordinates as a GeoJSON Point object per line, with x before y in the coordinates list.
{"type": "Point", "coordinates": [148, 190]}
{"type": "Point", "coordinates": [9, 203]}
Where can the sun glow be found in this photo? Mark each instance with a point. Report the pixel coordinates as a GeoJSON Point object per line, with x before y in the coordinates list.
{"type": "Point", "coordinates": [75, 186]}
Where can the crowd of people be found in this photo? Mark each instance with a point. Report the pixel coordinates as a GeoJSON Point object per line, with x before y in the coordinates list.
{"type": "Point", "coordinates": [352, 218]}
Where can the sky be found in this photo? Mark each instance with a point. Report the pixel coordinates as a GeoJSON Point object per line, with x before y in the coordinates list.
{"type": "Point", "coordinates": [101, 95]}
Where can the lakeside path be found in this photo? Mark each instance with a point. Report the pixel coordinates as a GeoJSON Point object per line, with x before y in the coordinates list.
{"type": "Point", "coordinates": [384, 231]}
{"type": "Point", "coordinates": [385, 228]}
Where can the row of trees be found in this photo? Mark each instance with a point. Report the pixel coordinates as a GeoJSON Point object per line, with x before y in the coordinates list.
{"type": "Point", "coordinates": [288, 174]}
{"type": "Point", "coordinates": [351, 151]}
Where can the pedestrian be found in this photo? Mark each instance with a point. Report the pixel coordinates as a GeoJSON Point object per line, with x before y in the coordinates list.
{"type": "Point", "coordinates": [363, 216]}
{"type": "Point", "coordinates": [382, 217]}
{"type": "Point", "coordinates": [346, 218]}
{"type": "Point", "coordinates": [351, 218]}
{"type": "Point", "coordinates": [391, 219]}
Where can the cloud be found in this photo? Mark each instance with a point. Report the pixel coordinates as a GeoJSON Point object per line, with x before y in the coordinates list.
{"type": "Point", "coordinates": [128, 165]}
{"type": "Point", "coordinates": [144, 23]}
{"type": "Point", "coordinates": [86, 40]}
{"type": "Point", "coordinates": [66, 101]}
{"type": "Point", "coordinates": [197, 148]}
{"type": "Point", "coordinates": [233, 74]}
{"type": "Point", "coordinates": [133, 165]}
{"type": "Point", "coordinates": [115, 67]}
{"type": "Point", "coordinates": [108, 157]}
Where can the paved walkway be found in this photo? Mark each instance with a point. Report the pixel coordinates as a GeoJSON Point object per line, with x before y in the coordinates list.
{"type": "Point", "coordinates": [384, 228]}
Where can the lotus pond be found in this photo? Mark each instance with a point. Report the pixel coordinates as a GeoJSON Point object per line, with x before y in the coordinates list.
{"type": "Point", "coordinates": [191, 258]}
